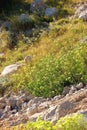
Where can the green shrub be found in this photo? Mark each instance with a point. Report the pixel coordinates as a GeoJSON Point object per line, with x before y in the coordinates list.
{"type": "Point", "coordinates": [51, 74]}
{"type": "Point", "coordinates": [38, 125]}
{"type": "Point", "coordinates": [75, 122]}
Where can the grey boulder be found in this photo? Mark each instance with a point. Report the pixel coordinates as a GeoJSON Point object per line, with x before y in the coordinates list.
{"type": "Point", "coordinates": [51, 12]}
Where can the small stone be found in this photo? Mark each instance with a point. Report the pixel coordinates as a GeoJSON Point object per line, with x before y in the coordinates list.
{"type": "Point", "coordinates": [51, 114]}
{"type": "Point", "coordinates": [72, 90]}
{"type": "Point", "coordinates": [43, 106]}
{"type": "Point", "coordinates": [84, 40]}
{"type": "Point", "coordinates": [83, 15]}
{"type": "Point", "coordinates": [7, 109]}
{"type": "Point", "coordinates": [14, 111]}
{"type": "Point", "coordinates": [66, 90]}
{"type": "Point", "coordinates": [28, 59]}
{"type": "Point", "coordinates": [79, 86]}
{"type": "Point", "coordinates": [33, 109]}
{"type": "Point", "coordinates": [57, 97]}
{"type": "Point", "coordinates": [67, 95]}
{"type": "Point", "coordinates": [24, 106]}
{"type": "Point", "coordinates": [12, 102]}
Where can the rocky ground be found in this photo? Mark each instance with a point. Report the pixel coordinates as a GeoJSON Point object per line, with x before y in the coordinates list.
{"type": "Point", "coordinates": [22, 107]}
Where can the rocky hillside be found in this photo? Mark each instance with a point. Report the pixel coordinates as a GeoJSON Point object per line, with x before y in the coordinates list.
{"type": "Point", "coordinates": [43, 65]}
{"type": "Point", "coordinates": [22, 107]}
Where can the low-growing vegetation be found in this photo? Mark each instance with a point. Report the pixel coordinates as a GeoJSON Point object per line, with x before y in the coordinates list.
{"type": "Point", "coordinates": [75, 122]}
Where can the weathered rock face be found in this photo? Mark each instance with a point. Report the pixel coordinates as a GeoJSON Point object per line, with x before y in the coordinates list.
{"type": "Point", "coordinates": [10, 69]}
{"type": "Point", "coordinates": [65, 108]}
{"type": "Point", "coordinates": [81, 12]}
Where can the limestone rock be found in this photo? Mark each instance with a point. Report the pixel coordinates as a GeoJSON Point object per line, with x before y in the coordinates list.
{"type": "Point", "coordinates": [7, 109]}
{"type": "Point", "coordinates": [51, 114]}
{"type": "Point", "coordinates": [36, 100]}
{"type": "Point", "coordinates": [28, 59]}
{"type": "Point", "coordinates": [83, 15]}
{"type": "Point", "coordinates": [81, 9]}
{"type": "Point", "coordinates": [81, 12]}
{"type": "Point", "coordinates": [35, 116]}
{"type": "Point", "coordinates": [65, 108]}
{"type": "Point", "coordinates": [10, 69]}
{"type": "Point", "coordinates": [79, 86]}
{"type": "Point", "coordinates": [72, 90]}
{"type": "Point", "coordinates": [57, 98]}
{"type": "Point", "coordinates": [22, 107]}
